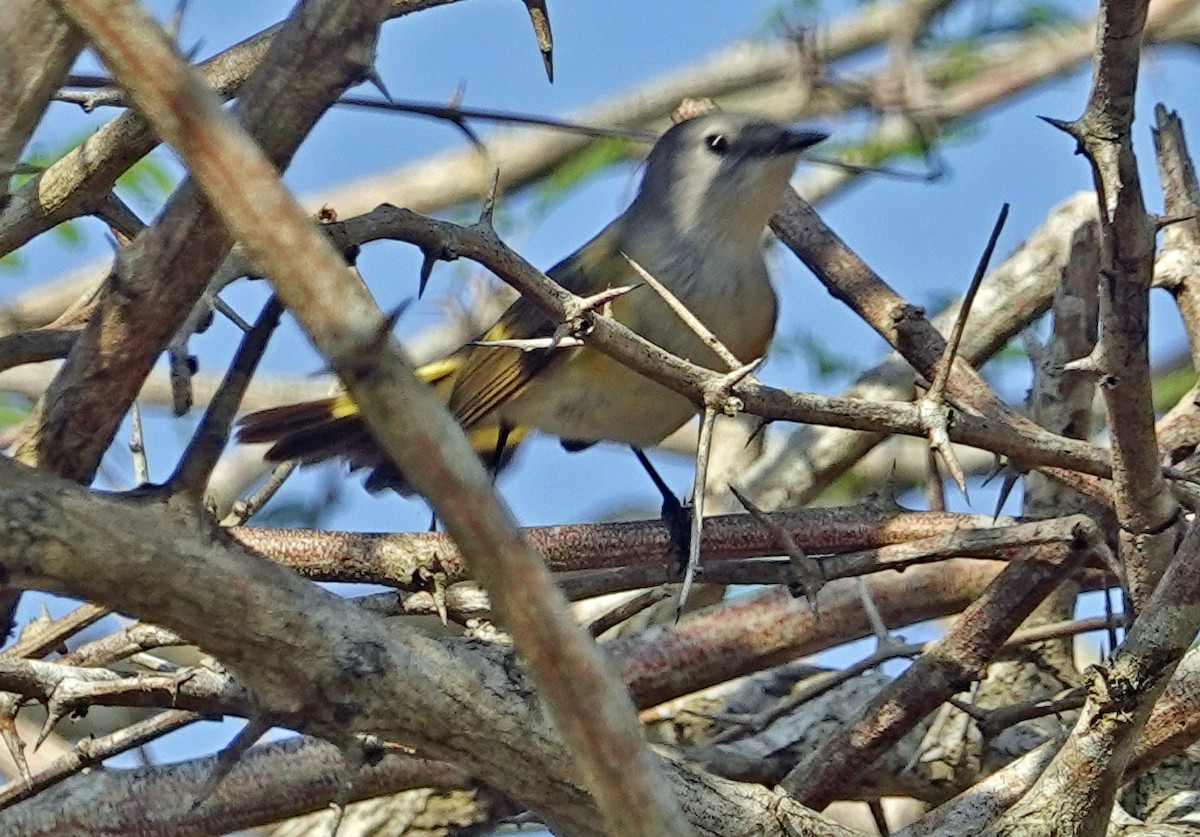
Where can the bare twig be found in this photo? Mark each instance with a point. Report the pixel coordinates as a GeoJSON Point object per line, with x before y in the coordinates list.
{"type": "Point", "coordinates": [137, 446]}
{"type": "Point", "coordinates": [938, 388]}
{"type": "Point", "coordinates": [42, 635]}
{"type": "Point", "coordinates": [699, 488]}
{"type": "Point", "coordinates": [994, 721]}
{"type": "Point", "coordinates": [195, 466]}
{"type": "Point", "coordinates": [691, 320]}
{"type": "Point", "coordinates": [245, 509]}
{"type": "Point", "coordinates": [809, 574]}
{"type": "Point", "coordinates": [88, 752]}
{"type": "Point", "coordinates": [623, 612]}
{"type": "Point", "coordinates": [229, 756]}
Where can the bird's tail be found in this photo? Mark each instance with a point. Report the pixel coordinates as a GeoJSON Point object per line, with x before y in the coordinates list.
{"type": "Point", "coordinates": [333, 428]}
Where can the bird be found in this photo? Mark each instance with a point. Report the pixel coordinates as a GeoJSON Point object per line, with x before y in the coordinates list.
{"type": "Point", "coordinates": [696, 224]}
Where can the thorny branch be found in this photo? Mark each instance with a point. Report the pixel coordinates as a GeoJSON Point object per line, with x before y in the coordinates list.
{"type": "Point", "coordinates": [991, 575]}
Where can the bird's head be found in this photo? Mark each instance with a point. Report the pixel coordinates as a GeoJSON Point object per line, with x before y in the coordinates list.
{"type": "Point", "coordinates": [721, 174]}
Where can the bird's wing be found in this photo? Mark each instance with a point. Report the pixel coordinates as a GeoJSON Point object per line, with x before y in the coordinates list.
{"type": "Point", "coordinates": [491, 376]}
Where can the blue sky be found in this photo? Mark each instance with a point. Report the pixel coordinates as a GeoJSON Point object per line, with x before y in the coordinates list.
{"type": "Point", "coordinates": [923, 238]}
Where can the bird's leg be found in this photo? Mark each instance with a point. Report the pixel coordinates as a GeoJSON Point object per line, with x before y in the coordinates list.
{"type": "Point", "coordinates": [502, 434]}
{"type": "Point", "coordinates": [674, 514]}
{"type": "Point", "coordinates": [493, 463]}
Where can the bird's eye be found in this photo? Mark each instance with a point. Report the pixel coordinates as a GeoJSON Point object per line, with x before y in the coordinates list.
{"type": "Point", "coordinates": [717, 143]}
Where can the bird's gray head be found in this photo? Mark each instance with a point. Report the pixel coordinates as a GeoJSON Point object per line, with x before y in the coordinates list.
{"type": "Point", "coordinates": [720, 175]}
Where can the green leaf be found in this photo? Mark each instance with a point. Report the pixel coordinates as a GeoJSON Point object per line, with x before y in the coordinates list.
{"type": "Point", "coordinates": [147, 180]}
{"type": "Point", "coordinates": [1170, 386]}
{"type": "Point", "coordinates": [69, 232]}
{"type": "Point", "coordinates": [1041, 15]}
{"type": "Point", "coordinates": [576, 169]}
{"type": "Point", "coordinates": [13, 410]}
{"type": "Point", "coordinates": [959, 61]}
{"type": "Point", "coordinates": [822, 360]}
{"type": "Point", "coordinates": [783, 16]}
{"type": "Point", "coordinates": [13, 261]}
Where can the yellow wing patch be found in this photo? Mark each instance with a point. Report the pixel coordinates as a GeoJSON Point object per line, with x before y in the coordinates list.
{"type": "Point", "coordinates": [491, 377]}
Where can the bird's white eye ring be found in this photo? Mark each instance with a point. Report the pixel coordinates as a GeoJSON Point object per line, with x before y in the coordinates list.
{"type": "Point", "coordinates": [717, 143]}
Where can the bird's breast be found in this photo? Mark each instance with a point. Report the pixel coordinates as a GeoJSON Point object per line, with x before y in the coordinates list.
{"type": "Point", "coordinates": [730, 294]}
{"type": "Point", "coordinates": [590, 396]}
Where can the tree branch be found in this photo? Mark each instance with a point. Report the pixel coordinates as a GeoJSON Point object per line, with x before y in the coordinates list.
{"type": "Point", "coordinates": [311, 278]}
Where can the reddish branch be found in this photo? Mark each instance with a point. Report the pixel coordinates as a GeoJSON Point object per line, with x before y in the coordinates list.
{"type": "Point", "coordinates": [412, 560]}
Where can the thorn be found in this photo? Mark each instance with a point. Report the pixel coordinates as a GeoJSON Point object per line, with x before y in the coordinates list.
{"type": "Point", "coordinates": [54, 714]}
{"type": "Point", "coordinates": [469, 132]}
{"type": "Point", "coordinates": [489, 202]}
{"type": "Point", "coordinates": [376, 81]}
{"type": "Point", "coordinates": [591, 303]}
{"type": "Point", "coordinates": [223, 307]}
{"type": "Point", "coordinates": [428, 260]}
{"type": "Point", "coordinates": [559, 340]}
{"type": "Point", "coordinates": [942, 375]}
{"type": "Point", "coordinates": [935, 489]}
{"type": "Point", "coordinates": [540, 18]}
{"type": "Point", "coordinates": [228, 757]}
{"type": "Point", "coordinates": [875, 806]}
{"type": "Point", "coordinates": [884, 639]}
{"type": "Point", "coordinates": [439, 597]}
{"type": "Point", "coordinates": [760, 427]}
{"type": "Point", "coordinates": [626, 611]}
{"type": "Point", "coordinates": [810, 582]}
{"type": "Point", "coordinates": [446, 252]}
{"type": "Point", "coordinates": [16, 747]}
{"type": "Point", "coordinates": [338, 807]}
{"type": "Point", "coordinates": [1011, 475]}
{"type": "Point", "coordinates": [1091, 364]}
{"type": "Point", "coordinates": [998, 465]}
{"type": "Point", "coordinates": [1063, 125]}
{"type": "Point", "coordinates": [1164, 221]}
{"type": "Point", "coordinates": [935, 419]}
{"type": "Point", "coordinates": [176, 21]}
{"type": "Point", "coordinates": [734, 377]}
{"type": "Point", "coordinates": [691, 320]}
{"type": "Point", "coordinates": [454, 115]}
{"type": "Point", "coordinates": [190, 54]}
{"type": "Point", "coordinates": [891, 484]}
{"type": "Point", "coordinates": [1068, 128]}
{"type": "Point", "coordinates": [384, 330]}
{"type": "Point", "coordinates": [137, 446]}
{"type": "Point", "coordinates": [699, 489]}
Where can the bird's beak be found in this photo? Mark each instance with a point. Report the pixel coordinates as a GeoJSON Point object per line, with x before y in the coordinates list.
{"type": "Point", "coordinates": [793, 140]}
